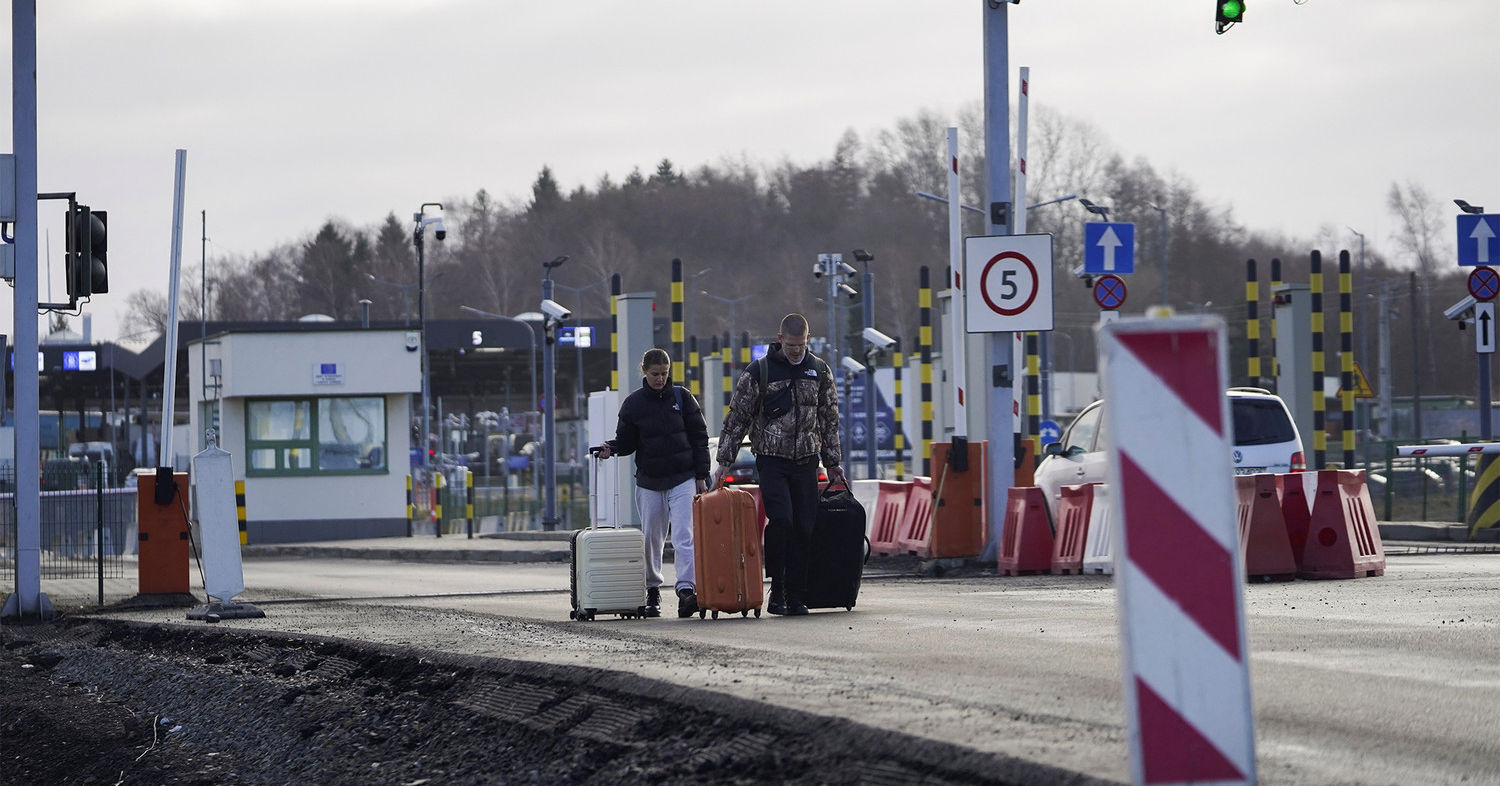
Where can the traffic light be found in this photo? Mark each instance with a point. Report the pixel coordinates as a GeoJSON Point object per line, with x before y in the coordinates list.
{"type": "Point", "coordinates": [88, 247]}
{"type": "Point", "coordinates": [1226, 13]}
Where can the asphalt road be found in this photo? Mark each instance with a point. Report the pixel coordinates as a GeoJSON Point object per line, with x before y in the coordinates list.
{"type": "Point", "coordinates": [1390, 680]}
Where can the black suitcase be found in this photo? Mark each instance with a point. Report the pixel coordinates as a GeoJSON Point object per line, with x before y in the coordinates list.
{"type": "Point", "coordinates": [837, 551]}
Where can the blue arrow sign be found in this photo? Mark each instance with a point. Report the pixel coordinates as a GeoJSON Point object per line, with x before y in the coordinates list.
{"type": "Point", "coordinates": [1050, 432]}
{"type": "Point", "coordinates": [1476, 239]}
{"type": "Point", "coordinates": [1108, 248]}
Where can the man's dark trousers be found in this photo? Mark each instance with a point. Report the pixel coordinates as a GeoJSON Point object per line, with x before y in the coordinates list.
{"type": "Point", "coordinates": [789, 490]}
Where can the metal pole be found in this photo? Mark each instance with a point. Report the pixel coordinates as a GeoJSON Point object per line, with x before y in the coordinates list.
{"type": "Point", "coordinates": [169, 357]}
{"type": "Point", "coordinates": [549, 446]}
{"type": "Point", "coordinates": [867, 305]}
{"type": "Point", "coordinates": [956, 342]}
{"type": "Point", "coordinates": [28, 599]}
{"type": "Point", "coordinates": [1484, 396]}
{"type": "Point", "coordinates": [1002, 464]}
{"type": "Point", "coordinates": [422, 331]}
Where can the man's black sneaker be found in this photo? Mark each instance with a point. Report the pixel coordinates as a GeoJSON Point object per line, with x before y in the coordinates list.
{"type": "Point", "coordinates": [687, 602]}
{"type": "Point", "coordinates": [653, 601]}
{"type": "Point", "coordinates": [794, 607]}
{"type": "Point", "coordinates": [777, 603]}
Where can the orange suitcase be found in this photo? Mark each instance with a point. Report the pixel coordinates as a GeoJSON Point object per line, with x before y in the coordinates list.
{"type": "Point", "coordinates": [726, 553]}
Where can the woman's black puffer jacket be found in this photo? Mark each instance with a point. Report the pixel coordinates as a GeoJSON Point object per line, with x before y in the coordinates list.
{"type": "Point", "coordinates": [670, 445]}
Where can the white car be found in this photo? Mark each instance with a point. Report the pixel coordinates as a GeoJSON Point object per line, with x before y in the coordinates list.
{"type": "Point", "coordinates": [1265, 440]}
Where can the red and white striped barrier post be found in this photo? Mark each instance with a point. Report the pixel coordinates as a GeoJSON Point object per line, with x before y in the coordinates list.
{"type": "Point", "coordinates": [1178, 571]}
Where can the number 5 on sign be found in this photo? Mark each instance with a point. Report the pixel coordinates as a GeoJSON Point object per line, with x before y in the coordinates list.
{"type": "Point", "coordinates": [1007, 283]}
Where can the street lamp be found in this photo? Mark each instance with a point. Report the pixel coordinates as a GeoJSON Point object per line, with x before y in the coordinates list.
{"type": "Point", "coordinates": [1162, 244]}
{"type": "Point", "coordinates": [1473, 210]}
{"type": "Point", "coordinates": [733, 304]}
{"type": "Point", "coordinates": [551, 317]}
{"type": "Point", "coordinates": [440, 230]}
{"type": "Point", "coordinates": [404, 288]}
{"type": "Point", "coordinates": [1098, 210]}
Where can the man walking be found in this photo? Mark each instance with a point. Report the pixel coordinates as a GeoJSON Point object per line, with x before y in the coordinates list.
{"type": "Point", "coordinates": [789, 405]}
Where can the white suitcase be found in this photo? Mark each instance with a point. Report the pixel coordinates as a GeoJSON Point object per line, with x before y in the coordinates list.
{"type": "Point", "coordinates": [608, 572]}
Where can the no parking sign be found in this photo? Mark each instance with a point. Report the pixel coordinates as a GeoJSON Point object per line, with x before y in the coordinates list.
{"type": "Point", "coordinates": [1007, 283]}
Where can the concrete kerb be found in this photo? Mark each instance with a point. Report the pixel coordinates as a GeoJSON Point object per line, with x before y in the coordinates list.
{"type": "Point", "coordinates": [553, 546]}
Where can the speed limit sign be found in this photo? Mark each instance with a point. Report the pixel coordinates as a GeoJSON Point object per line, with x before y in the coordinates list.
{"type": "Point", "coordinates": [1008, 283]}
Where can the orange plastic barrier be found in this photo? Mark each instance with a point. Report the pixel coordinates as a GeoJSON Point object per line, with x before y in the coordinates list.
{"type": "Point", "coordinates": [1074, 507]}
{"type": "Point", "coordinates": [1026, 545]}
{"type": "Point", "coordinates": [958, 527]}
{"type": "Point", "coordinates": [1295, 510]}
{"type": "Point", "coordinates": [163, 562]}
{"type": "Point", "coordinates": [890, 516]}
{"type": "Point", "coordinates": [1343, 540]}
{"type": "Point", "coordinates": [916, 518]}
{"type": "Point", "coordinates": [1263, 536]}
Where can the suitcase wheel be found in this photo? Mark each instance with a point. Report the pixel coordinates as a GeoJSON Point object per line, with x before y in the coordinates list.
{"type": "Point", "coordinates": [716, 613]}
{"type": "Point", "coordinates": [573, 615]}
{"type": "Point", "coordinates": [702, 614]}
{"type": "Point", "coordinates": [757, 612]}
{"type": "Point", "coordinates": [745, 613]}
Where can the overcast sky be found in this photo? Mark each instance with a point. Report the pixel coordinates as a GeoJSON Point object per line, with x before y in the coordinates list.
{"type": "Point", "coordinates": [294, 112]}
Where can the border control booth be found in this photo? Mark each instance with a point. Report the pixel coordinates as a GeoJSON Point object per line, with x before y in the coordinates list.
{"type": "Point", "coordinates": [318, 424]}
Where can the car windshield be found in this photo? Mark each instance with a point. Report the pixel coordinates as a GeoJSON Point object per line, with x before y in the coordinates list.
{"type": "Point", "coordinates": [1259, 421]}
{"type": "Point", "coordinates": [745, 456]}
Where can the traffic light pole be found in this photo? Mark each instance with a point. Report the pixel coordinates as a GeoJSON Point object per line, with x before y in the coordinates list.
{"type": "Point", "coordinates": [28, 601]}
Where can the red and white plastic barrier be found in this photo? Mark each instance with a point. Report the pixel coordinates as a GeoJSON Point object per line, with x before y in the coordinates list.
{"type": "Point", "coordinates": [1026, 544]}
{"type": "Point", "coordinates": [917, 524]}
{"type": "Point", "coordinates": [890, 517]}
{"type": "Point", "coordinates": [1343, 539]}
{"type": "Point", "coordinates": [1074, 508]}
{"type": "Point", "coordinates": [1178, 571]}
{"type": "Point", "coordinates": [1263, 534]}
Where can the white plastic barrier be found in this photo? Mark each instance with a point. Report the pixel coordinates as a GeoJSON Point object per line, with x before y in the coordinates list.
{"type": "Point", "coordinates": [866, 491]}
{"type": "Point", "coordinates": [1099, 548]}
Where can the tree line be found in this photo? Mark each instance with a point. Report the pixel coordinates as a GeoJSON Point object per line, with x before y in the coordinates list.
{"type": "Point", "coordinates": [750, 232]}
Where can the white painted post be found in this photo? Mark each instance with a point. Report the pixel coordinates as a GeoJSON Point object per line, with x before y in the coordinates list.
{"type": "Point", "coordinates": [957, 343]}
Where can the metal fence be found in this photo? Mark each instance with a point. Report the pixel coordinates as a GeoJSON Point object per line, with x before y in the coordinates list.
{"type": "Point", "coordinates": [87, 529]}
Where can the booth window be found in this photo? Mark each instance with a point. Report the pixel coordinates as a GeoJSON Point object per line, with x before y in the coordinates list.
{"type": "Point", "coordinates": [333, 435]}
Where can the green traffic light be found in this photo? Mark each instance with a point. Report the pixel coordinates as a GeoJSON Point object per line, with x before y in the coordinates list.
{"type": "Point", "coordinates": [1231, 10]}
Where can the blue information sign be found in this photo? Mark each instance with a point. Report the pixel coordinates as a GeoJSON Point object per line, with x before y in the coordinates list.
{"type": "Point", "coordinates": [1050, 432]}
{"type": "Point", "coordinates": [1477, 239]}
{"type": "Point", "coordinates": [1108, 248]}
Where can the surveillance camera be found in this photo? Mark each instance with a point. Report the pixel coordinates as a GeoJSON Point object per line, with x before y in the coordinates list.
{"type": "Point", "coordinates": [440, 230]}
{"type": "Point", "coordinates": [848, 290]}
{"type": "Point", "coordinates": [818, 270]}
{"type": "Point", "coordinates": [851, 365]}
{"type": "Point", "coordinates": [1462, 311]}
{"type": "Point", "coordinates": [847, 269]}
{"type": "Point", "coordinates": [878, 339]}
{"type": "Point", "coordinates": [555, 310]}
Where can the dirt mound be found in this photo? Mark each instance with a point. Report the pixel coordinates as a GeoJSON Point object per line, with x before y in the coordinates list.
{"type": "Point", "coordinates": [96, 701]}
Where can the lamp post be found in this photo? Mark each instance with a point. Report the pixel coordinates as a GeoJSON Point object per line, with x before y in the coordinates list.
{"type": "Point", "coordinates": [404, 288]}
{"type": "Point", "coordinates": [1364, 306]}
{"type": "Point", "coordinates": [550, 321]}
{"type": "Point", "coordinates": [1162, 245]}
{"type": "Point", "coordinates": [441, 232]}
{"type": "Point", "coordinates": [733, 303]}
{"type": "Point", "coordinates": [867, 306]}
